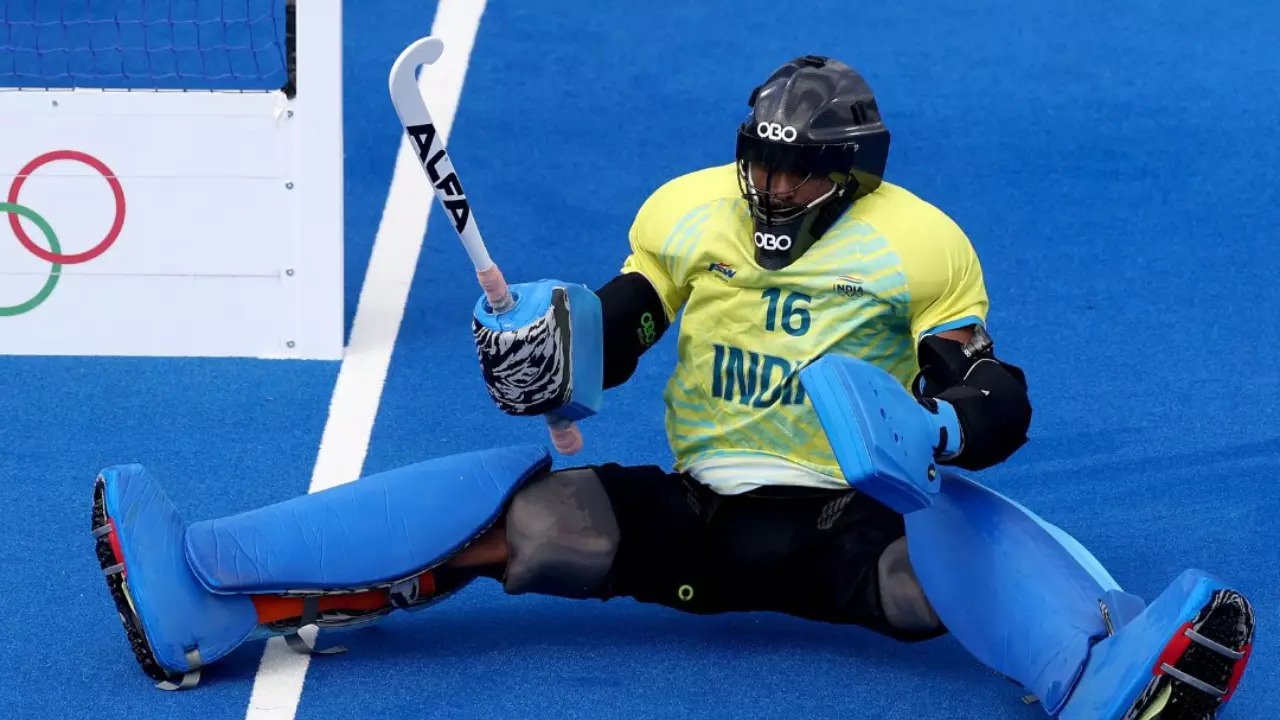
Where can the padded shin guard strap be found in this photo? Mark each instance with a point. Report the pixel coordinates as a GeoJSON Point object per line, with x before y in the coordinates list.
{"type": "Point", "coordinates": [299, 644]}
{"type": "Point", "coordinates": [373, 532]}
{"type": "Point", "coordinates": [191, 678]}
{"type": "Point", "coordinates": [1018, 593]}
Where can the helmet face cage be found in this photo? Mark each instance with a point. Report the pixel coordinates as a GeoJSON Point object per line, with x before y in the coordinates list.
{"type": "Point", "coordinates": [766, 202]}
{"type": "Point", "coordinates": [810, 162]}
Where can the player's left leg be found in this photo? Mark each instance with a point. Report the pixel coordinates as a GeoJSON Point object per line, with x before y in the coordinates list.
{"type": "Point", "coordinates": [1033, 604]}
{"type": "Point", "coordinates": [1023, 596]}
{"type": "Point", "coordinates": [830, 556]}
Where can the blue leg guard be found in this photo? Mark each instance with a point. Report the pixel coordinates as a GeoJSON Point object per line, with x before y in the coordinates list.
{"type": "Point", "coordinates": [1018, 593]}
{"type": "Point", "coordinates": [187, 593]}
{"type": "Point", "coordinates": [174, 625]}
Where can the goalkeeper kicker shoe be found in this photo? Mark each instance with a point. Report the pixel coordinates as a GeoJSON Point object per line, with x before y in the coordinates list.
{"type": "Point", "coordinates": [1180, 659]}
{"type": "Point", "coordinates": [174, 625]}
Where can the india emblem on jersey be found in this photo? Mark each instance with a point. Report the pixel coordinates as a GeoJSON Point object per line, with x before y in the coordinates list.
{"type": "Point", "coordinates": [848, 286]}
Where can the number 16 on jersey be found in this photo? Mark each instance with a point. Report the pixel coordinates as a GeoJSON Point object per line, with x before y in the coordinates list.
{"type": "Point", "coordinates": [793, 316]}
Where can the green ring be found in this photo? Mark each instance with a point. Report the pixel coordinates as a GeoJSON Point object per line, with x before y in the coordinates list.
{"type": "Point", "coordinates": [685, 593]}
{"type": "Point", "coordinates": [55, 271]}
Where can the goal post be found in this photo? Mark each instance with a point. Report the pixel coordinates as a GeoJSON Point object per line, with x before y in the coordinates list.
{"type": "Point", "coordinates": [173, 178]}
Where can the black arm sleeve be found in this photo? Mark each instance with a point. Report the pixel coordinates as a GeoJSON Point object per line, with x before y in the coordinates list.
{"type": "Point", "coordinates": [633, 320]}
{"type": "Point", "coordinates": [989, 395]}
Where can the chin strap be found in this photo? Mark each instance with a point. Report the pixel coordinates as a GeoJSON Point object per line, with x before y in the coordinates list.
{"type": "Point", "coordinates": [780, 245]}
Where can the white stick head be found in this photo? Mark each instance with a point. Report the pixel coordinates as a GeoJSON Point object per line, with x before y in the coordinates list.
{"type": "Point", "coordinates": [403, 80]}
{"type": "Point", "coordinates": [422, 52]}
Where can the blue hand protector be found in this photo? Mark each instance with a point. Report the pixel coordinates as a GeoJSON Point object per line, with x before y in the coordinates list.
{"type": "Point", "coordinates": [545, 356]}
{"type": "Point", "coordinates": [885, 441]}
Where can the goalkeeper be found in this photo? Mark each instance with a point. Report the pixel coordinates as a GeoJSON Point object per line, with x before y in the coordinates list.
{"type": "Point", "coordinates": [833, 373]}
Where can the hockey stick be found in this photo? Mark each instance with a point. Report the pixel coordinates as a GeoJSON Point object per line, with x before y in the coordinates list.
{"type": "Point", "coordinates": [436, 163]}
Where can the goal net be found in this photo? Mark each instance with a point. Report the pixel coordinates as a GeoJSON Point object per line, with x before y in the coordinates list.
{"type": "Point", "coordinates": [147, 44]}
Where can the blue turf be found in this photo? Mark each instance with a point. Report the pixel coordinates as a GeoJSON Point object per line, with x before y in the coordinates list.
{"type": "Point", "coordinates": [221, 436]}
{"type": "Point", "coordinates": [1115, 165]}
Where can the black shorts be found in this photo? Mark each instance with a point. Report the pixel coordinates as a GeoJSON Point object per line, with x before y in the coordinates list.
{"type": "Point", "coordinates": [806, 552]}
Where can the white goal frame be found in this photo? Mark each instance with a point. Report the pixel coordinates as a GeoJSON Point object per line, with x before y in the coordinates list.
{"type": "Point", "coordinates": [232, 238]}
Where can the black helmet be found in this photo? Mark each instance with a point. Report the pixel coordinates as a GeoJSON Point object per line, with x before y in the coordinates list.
{"type": "Point", "coordinates": [815, 117]}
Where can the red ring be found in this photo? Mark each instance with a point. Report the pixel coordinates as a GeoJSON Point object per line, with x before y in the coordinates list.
{"type": "Point", "coordinates": [92, 162]}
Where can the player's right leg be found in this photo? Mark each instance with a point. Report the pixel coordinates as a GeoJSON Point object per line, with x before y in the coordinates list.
{"type": "Point", "coordinates": [189, 594]}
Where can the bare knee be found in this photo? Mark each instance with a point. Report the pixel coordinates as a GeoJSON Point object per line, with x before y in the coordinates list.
{"type": "Point", "coordinates": [486, 554]}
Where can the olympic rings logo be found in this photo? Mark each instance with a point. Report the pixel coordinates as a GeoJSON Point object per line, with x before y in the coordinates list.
{"type": "Point", "coordinates": [54, 255]}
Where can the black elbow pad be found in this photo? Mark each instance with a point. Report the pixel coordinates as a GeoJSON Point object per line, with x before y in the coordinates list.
{"type": "Point", "coordinates": [990, 398]}
{"type": "Point", "coordinates": [633, 319]}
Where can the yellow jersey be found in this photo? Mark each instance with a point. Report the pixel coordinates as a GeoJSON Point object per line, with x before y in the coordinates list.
{"type": "Point", "coordinates": [892, 269]}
